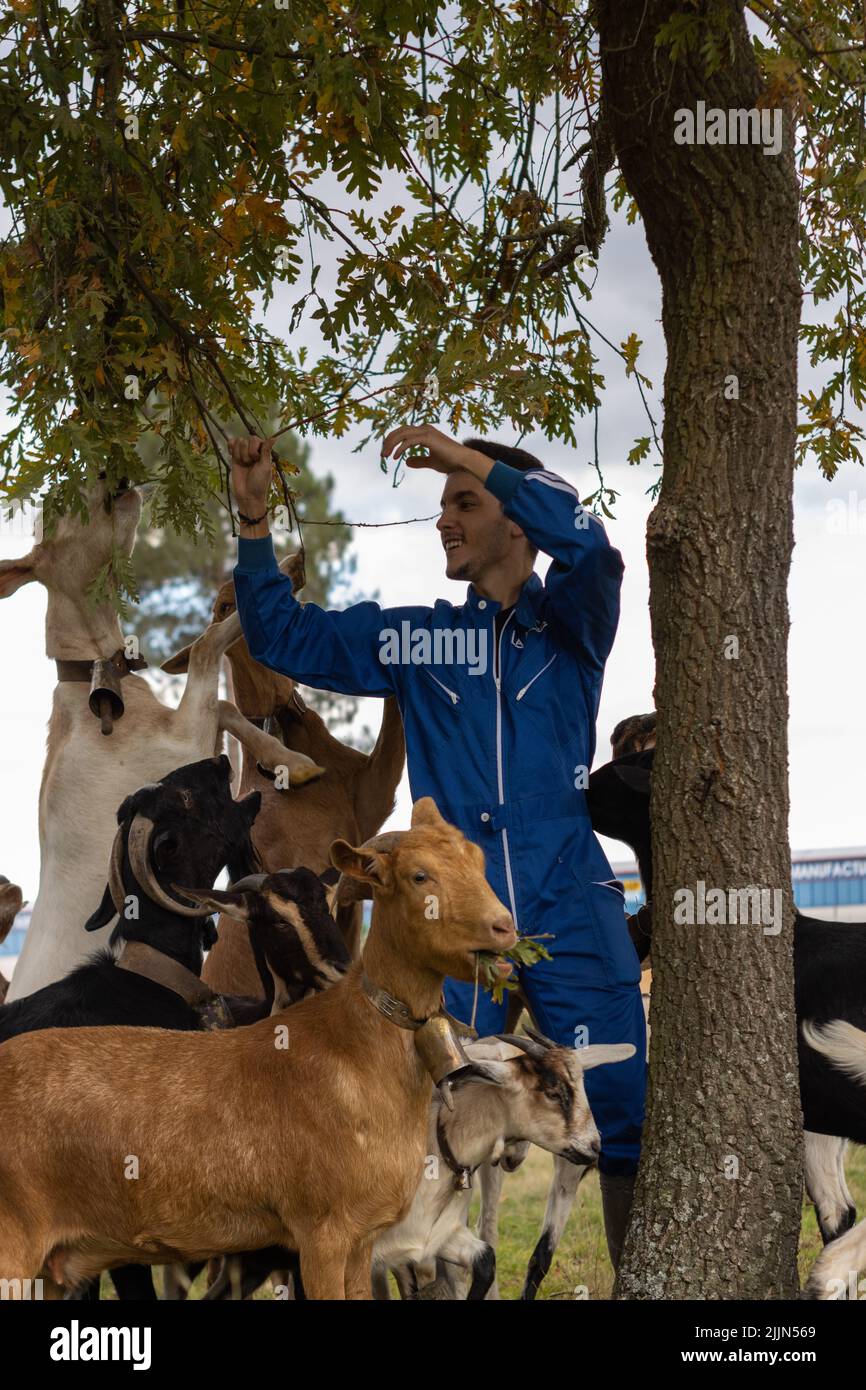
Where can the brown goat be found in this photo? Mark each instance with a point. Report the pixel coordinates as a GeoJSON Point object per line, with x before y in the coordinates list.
{"type": "Point", "coordinates": [351, 801]}
{"type": "Point", "coordinates": [11, 900]}
{"type": "Point", "coordinates": [306, 1130]}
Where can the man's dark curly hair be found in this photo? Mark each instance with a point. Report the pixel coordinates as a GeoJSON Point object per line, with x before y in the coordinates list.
{"type": "Point", "coordinates": [515, 458]}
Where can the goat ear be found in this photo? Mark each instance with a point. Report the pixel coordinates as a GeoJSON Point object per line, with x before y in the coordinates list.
{"type": "Point", "coordinates": [636, 778]}
{"type": "Point", "coordinates": [599, 1053]}
{"type": "Point", "coordinates": [490, 1073]}
{"type": "Point", "coordinates": [293, 567]}
{"type": "Point", "coordinates": [366, 865]}
{"type": "Point", "coordinates": [233, 904]}
{"type": "Point", "coordinates": [329, 877]}
{"type": "Point", "coordinates": [426, 812]}
{"type": "Point", "coordinates": [177, 664]}
{"type": "Point", "coordinates": [14, 573]}
{"type": "Point", "coordinates": [250, 805]}
{"type": "Point", "coordinates": [103, 914]}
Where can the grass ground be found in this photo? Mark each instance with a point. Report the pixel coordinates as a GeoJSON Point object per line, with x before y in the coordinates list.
{"type": "Point", "coordinates": [581, 1260]}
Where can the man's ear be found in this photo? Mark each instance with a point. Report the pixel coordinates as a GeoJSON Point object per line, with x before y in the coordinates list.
{"type": "Point", "coordinates": [14, 573]}
{"type": "Point", "coordinates": [365, 865]}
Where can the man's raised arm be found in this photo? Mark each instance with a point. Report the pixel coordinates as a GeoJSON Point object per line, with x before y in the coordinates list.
{"type": "Point", "coordinates": [326, 649]}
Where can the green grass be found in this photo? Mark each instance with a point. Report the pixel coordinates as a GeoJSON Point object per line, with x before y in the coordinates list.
{"type": "Point", "coordinates": [581, 1260]}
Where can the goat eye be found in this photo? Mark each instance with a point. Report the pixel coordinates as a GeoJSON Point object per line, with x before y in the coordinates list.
{"type": "Point", "coordinates": [420, 876]}
{"type": "Point", "coordinates": [165, 846]}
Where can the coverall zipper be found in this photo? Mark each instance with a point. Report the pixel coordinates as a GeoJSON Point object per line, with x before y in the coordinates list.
{"type": "Point", "coordinates": [498, 683]}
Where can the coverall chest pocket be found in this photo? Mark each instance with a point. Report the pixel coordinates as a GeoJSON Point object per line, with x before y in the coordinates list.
{"type": "Point", "coordinates": [605, 907]}
{"type": "Point", "coordinates": [443, 685]}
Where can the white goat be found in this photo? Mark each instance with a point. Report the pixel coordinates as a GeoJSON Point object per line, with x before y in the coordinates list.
{"type": "Point", "coordinates": [86, 776]}
{"type": "Point", "coordinates": [538, 1097]}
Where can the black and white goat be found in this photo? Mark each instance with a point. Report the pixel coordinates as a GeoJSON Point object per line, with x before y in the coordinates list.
{"type": "Point", "coordinates": [829, 969]}
{"type": "Point", "coordinates": [534, 1095]}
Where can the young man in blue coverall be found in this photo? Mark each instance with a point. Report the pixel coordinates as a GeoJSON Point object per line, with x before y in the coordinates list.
{"type": "Point", "coordinates": [499, 697]}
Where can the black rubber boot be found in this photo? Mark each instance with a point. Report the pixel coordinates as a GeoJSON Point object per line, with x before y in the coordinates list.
{"type": "Point", "coordinates": [617, 1191]}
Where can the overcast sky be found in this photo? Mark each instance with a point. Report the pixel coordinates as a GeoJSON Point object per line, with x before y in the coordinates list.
{"type": "Point", "coordinates": [404, 564]}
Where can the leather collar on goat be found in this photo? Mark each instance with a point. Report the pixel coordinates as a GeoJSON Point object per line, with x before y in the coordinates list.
{"type": "Point", "coordinates": [147, 961]}
{"type": "Point", "coordinates": [104, 675]}
{"type": "Point", "coordinates": [462, 1171]}
{"type": "Point", "coordinates": [436, 1042]}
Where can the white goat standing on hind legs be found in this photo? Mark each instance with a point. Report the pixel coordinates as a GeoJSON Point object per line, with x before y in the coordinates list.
{"type": "Point", "coordinates": [86, 774]}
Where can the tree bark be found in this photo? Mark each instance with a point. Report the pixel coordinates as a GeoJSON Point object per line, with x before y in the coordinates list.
{"type": "Point", "coordinates": [717, 1205]}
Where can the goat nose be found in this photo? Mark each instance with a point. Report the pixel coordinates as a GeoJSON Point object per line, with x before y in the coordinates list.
{"type": "Point", "coordinates": [503, 926]}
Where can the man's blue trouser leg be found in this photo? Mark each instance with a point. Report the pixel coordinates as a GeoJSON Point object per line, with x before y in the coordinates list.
{"type": "Point", "coordinates": [574, 1013]}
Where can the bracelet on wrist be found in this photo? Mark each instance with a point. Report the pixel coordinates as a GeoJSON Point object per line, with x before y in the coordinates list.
{"type": "Point", "coordinates": [252, 520]}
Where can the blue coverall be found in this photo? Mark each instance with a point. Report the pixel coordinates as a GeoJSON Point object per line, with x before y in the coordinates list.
{"type": "Point", "coordinates": [504, 753]}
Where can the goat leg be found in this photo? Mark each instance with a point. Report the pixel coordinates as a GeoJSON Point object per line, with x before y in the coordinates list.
{"type": "Point", "coordinates": [824, 1172]}
{"type": "Point", "coordinates": [560, 1200]}
{"type": "Point", "coordinates": [267, 751]}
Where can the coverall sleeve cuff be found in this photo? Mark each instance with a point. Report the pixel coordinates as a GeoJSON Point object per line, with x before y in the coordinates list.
{"type": "Point", "coordinates": [256, 554]}
{"type": "Point", "coordinates": [503, 481]}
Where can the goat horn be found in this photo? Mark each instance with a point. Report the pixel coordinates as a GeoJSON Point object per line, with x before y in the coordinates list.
{"type": "Point", "coordinates": [386, 842]}
{"type": "Point", "coordinates": [138, 844]}
{"type": "Point", "coordinates": [115, 872]}
{"type": "Point", "coordinates": [527, 1045]}
{"type": "Point", "coordinates": [540, 1038]}
{"type": "Point", "coordinates": [251, 884]}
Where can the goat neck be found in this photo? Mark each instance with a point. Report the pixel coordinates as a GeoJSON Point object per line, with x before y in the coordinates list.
{"type": "Point", "coordinates": [473, 1131]}
{"type": "Point", "coordinates": [418, 987]}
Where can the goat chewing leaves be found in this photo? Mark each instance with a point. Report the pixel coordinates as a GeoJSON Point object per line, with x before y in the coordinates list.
{"type": "Point", "coordinates": [526, 951]}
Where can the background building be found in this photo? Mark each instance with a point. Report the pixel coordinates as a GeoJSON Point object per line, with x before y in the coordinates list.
{"type": "Point", "coordinates": [828, 883]}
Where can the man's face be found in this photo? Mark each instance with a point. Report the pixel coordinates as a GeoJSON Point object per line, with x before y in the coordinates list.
{"type": "Point", "coordinates": [476, 534]}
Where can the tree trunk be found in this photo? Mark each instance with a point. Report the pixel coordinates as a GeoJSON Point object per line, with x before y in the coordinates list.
{"type": "Point", "coordinates": [717, 1205]}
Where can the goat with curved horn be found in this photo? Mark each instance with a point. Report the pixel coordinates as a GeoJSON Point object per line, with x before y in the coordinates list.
{"type": "Point", "coordinates": [138, 844]}
{"type": "Point", "coordinates": [115, 872]}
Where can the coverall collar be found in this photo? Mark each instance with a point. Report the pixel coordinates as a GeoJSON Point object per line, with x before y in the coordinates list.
{"type": "Point", "coordinates": [526, 609]}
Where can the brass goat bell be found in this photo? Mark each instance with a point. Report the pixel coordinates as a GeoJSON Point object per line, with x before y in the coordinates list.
{"type": "Point", "coordinates": [441, 1052]}
{"type": "Point", "coordinates": [106, 700]}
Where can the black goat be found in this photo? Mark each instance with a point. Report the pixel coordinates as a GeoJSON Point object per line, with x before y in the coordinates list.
{"type": "Point", "coordinates": [183, 830]}
{"type": "Point", "coordinates": [180, 831]}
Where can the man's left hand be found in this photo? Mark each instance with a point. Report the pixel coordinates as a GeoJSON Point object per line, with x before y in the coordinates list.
{"type": "Point", "coordinates": [430, 448]}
